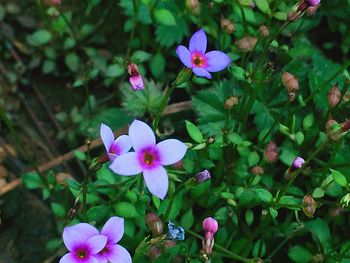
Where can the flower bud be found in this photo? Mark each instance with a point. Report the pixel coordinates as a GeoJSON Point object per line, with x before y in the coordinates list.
{"type": "Point", "coordinates": [169, 243]}
{"type": "Point", "coordinates": [61, 178]}
{"type": "Point", "coordinates": [334, 96]}
{"type": "Point", "coordinates": [193, 6]}
{"type": "Point", "coordinates": [211, 139]}
{"type": "Point", "coordinates": [318, 258]}
{"type": "Point", "coordinates": [298, 163]}
{"type": "Point", "coordinates": [291, 83]}
{"type": "Point", "coordinates": [271, 152]}
{"type": "Point", "coordinates": [345, 126]}
{"type": "Point", "coordinates": [154, 252]}
{"type": "Point", "coordinates": [154, 223]}
{"type": "Point", "coordinates": [264, 31]}
{"type": "Point", "coordinates": [178, 165]}
{"type": "Point", "coordinates": [309, 206]}
{"type": "Point", "coordinates": [202, 176]}
{"type": "Point", "coordinates": [333, 130]}
{"type": "Point", "coordinates": [257, 170]}
{"type": "Point", "coordinates": [312, 2]}
{"type": "Point", "coordinates": [246, 44]}
{"type": "Point", "coordinates": [227, 25]}
{"type": "Point", "coordinates": [135, 77]}
{"type": "Point", "coordinates": [230, 102]}
{"type": "Point", "coordinates": [312, 10]}
{"type": "Point", "coordinates": [210, 225]}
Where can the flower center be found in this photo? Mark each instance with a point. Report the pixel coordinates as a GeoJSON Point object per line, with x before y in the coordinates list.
{"type": "Point", "coordinates": [198, 60]}
{"type": "Point", "coordinates": [105, 250]}
{"type": "Point", "coordinates": [114, 149]}
{"type": "Point", "coordinates": [81, 253]}
{"type": "Point", "coordinates": [148, 158]}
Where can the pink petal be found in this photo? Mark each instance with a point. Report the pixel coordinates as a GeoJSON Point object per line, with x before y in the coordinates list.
{"type": "Point", "coordinates": [113, 229]}
{"type": "Point", "coordinates": [118, 254]}
{"type": "Point", "coordinates": [184, 55]}
{"type": "Point", "coordinates": [157, 181]}
{"type": "Point", "coordinates": [69, 258]}
{"type": "Point", "coordinates": [198, 42]}
{"type": "Point", "coordinates": [124, 144]}
{"type": "Point", "coordinates": [217, 61]}
{"type": "Point", "coordinates": [136, 82]}
{"type": "Point", "coordinates": [126, 164]}
{"type": "Point", "coordinates": [101, 257]}
{"type": "Point", "coordinates": [71, 238]}
{"type": "Point", "coordinates": [96, 243]}
{"type": "Point", "coordinates": [201, 72]}
{"type": "Point", "coordinates": [85, 230]}
{"type": "Point", "coordinates": [107, 136]}
{"type": "Point", "coordinates": [141, 135]}
{"type": "Point", "coordinates": [171, 151]}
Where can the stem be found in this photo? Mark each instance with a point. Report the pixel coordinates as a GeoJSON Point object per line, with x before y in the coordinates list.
{"type": "Point", "coordinates": [222, 249]}
{"type": "Point", "coordinates": [134, 22]}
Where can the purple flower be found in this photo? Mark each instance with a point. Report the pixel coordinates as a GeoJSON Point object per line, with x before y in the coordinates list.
{"type": "Point", "coordinates": [149, 158]}
{"type": "Point", "coordinates": [112, 252]}
{"type": "Point", "coordinates": [200, 62]}
{"type": "Point", "coordinates": [135, 77]}
{"type": "Point", "coordinates": [298, 162]}
{"type": "Point", "coordinates": [83, 242]}
{"type": "Point", "coordinates": [312, 2]}
{"type": "Point", "coordinates": [202, 176]}
{"type": "Point", "coordinates": [113, 147]}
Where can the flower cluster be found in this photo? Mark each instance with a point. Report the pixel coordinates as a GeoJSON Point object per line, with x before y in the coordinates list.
{"type": "Point", "coordinates": [87, 245]}
{"type": "Point", "coordinates": [148, 157]}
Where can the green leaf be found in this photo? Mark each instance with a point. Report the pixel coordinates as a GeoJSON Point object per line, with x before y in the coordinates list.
{"type": "Point", "coordinates": [97, 213]}
{"type": "Point", "coordinates": [249, 217]}
{"type": "Point", "coordinates": [319, 228]}
{"type": "Point", "coordinates": [72, 61]}
{"type": "Point", "coordinates": [114, 71]}
{"type": "Point", "coordinates": [58, 209]}
{"type": "Point", "coordinates": [169, 35]}
{"type": "Point", "coordinates": [253, 159]}
{"type": "Point", "coordinates": [140, 56]}
{"type": "Point", "coordinates": [339, 178]}
{"type": "Point", "coordinates": [263, 6]}
{"type": "Point", "coordinates": [308, 121]}
{"type": "Point", "coordinates": [264, 195]}
{"type": "Point", "coordinates": [48, 66]}
{"type": "Point", "coordinates": [165, 17]}
{"type": "Point", "coordinates": [80, 155]}
{"type": "Point", "coordinates": [299, 137]}
{"type": "Point", "coordinates": [39, 38]}
{"type": "Point", "coordinates": [32, 180]}
{"type": "Point", "coordinates": [318, 193]}
{"type": "Point", "coordinates": [157, 64]}
{"type": "Point", "coordinates": [125, 209]}
{"type": "Point", "coordinates": [194, 132]}
{"type": "Point", "coordinates": [187, 219]}
{"type": "Point", "coordinates": [299, 254]}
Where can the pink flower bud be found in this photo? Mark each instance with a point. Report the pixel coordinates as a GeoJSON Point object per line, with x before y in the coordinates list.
{"type": "Point", "coordinates": [193, 6]}
{"type": "Point", "coordinates": [154, 223]}
{"type": "Point", "coordinates": [309, 206]}
{"type": "Point", "coordinates": [292, 85]}
{"type": "Point", "coordinates": [271, 152]}
{"type": "Point", "coordinates": [227, 25]}
{"type": "Point", "coordinates": [247, 44]}
{"type": "Point", "coordinates": [264, 31]}
{"type": "Point", "coordinates": [210, 225]}
{"type": "Point", "coordinates": [312, 2]}
{"type": "Point", "coordinates": [135, 77]}
{"type": "Point", "coordinates": [334, 96]}
{"type": "Point", "coordinates": [298, 162]}
{"type": "Point", "coordinates": [154, 252]}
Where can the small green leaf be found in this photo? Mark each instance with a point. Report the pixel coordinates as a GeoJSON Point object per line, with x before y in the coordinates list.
{"type": "Point", "coordinates": [299, 254]}
{"type": "Point", "coordinates": [39, 38]}
{"type": "Point", "coordinates": [264, 195]}
{"type": "Point", "coordinates": [72, 61]}
{"type": "Point", "coordinates": [263, 6]}
{"type": "Point", "coordinates": [194, 132]}
{"type": "Point", "coordinates": [299, 137]}
{"type": "Point", "coordinates": [80, 155]}
{"type": "Point", "coordinates": [126, 210]}
{"type": "Point", "coordinates": [249, 217]}
{"type": "Point", "coordinates": [140, 56]}
{"type": "Point", "coordinates": [58, 209]}
{"type": "Point", "coordinates": [32, 180]}
{"type": "Point", "coordinates": [339, 178]}
{"type": "Point", "coordinates": [188, 219]}
{"type": "Point", "coordinates": [114, 71]}
{"type": "Point", "coordinates": [165, 17]}
{"type": "Point", "coordinates": [308, 121]}
{"type": "Point", "coordinates": [253, 159]}
{"type": "Point", "coordinates": [318, 193]}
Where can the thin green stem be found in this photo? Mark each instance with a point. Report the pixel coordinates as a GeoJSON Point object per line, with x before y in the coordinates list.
{"type": "Point", "coordinates": [134, 22]}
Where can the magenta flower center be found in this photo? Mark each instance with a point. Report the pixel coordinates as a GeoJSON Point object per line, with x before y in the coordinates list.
{"type": "Point", "coordinates": [149, 157]}
{"type": "Point", "coordinates": [114, 149]}
{"type": "Point", "coordinates": [198, 60]}
{"type": "Point", "coordinates": [81, 253]}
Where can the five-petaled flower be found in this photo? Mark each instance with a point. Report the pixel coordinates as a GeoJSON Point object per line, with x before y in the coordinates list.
{"type": "Point", "coordinates": [83, 242]}
{"type": "Point", "coordinates": [149, 158]}
{"type": "Point", "coordinates": [200, 62]}
{"type": "Point", "coordinates": [113, 147]}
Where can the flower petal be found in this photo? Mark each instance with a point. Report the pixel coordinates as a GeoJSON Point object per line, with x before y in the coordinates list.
{"type": "Point", "coordinates": [136, 82]}
{"type": "Point", "coordinates": [124, 144]}
{"type": "Point", "coordinates": [85, 230]}
{"type": "Point", "coordinates": [71, 238]}
{"type": "Point", "coordinates": [184, 55]}
{"type": "Point", "coordinates": [171, 151]}
{"type": "Point", "coordinates": [201, 72]}
{"type": "Point", "coordinates": [113, 229]}
{"type": "Point", "coordinates": [126, 164]}
{"type": "Point", "coordinates": [69, 258]}
{"type": "Point", "coordinates": [101, 257]}
{"type": "Point", "coordinates": [107, 136]}
{"type": "Point", "coordinates": [141, 135]}
{"type": "Point", "coordinates": [217, 61]}
{"type": "Point", "coordinates": [118, 254]}
{"type": "Point", "coordinates": [157, 181]}
{"type": "Point", "coordinates": [96, 243]}
{"type": "Point", "coordinates": [198, 42]}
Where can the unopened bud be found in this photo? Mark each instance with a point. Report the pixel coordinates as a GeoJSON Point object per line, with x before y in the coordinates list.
{"type": "Point", "coordinates": [211, 139]}
{"type": "Point", "coordinates": [61, 178]}
{"type": "Point", "coordinates": [264, 31]}
{"type": "Point", "coordinates": [135, 79]}
{"type": "Point", "coordinates": [154, 223]}
{"type": "Point", "coordinates": [227, 25]}
{"type": "Point", "coordinates": [210, 225]}
{"type": "Point", "coordinates": [312, 2]}
{"type": "Point", "coordinates": [312, 10]}
{"type": "Point", "coordinates": [334, 96]}
{"type": "Point", "coordinates": [246, 44]}
{"type": "Point", "coordinates": [178, 165]}
{"type": "Point", "coordinates": [202, 176]}
{"type": "Point", "coordinates": [230, 102]}
{"type": "Point", "coordinates": [169, 243]}
{"type": "Point", "coordinates": [345, 126]}
{"type": "Point", "coordinates": [298, 163]}
{"type": "Point", "coordinates": [333, 130]}
{"type": "Point", "coordinates": [257, 170]}
{"type": "Point", "coordinates": [193, 6]}
{"type": "Point", "coordinates": [309, 206]}
{"type": "Point", "coordinates": [271, 152]}
{"type": "Point", "coordinates": [291, 83]}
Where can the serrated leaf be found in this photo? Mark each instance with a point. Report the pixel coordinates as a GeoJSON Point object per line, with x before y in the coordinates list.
{"type": "Point", "coordinates": [169, 35]}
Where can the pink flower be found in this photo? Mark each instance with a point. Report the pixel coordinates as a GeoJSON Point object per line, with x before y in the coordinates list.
{"type": "Point", "coordinates": [83, 242]}
{"type": "Point", "coordinates": [135, 77]}
{"type": "Point", "coordinates": [112, 252]}
{"type": "Point", "coordinates": [210, 225]}
{"type": "Point", "coordinates": [298, 162]}
{"type": "Point", "coordinates": [149, 158]}
{"type": "Point", "coordinates": [200, 62]}
{"type": "Point", "coordinates": [113, 147]}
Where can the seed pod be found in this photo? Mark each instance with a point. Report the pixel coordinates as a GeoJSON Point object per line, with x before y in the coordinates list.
{"type": "Point", "coordinates": [291, 83]}
{"type": "Point", "coordinates": [246, 44]}
{"type": "Point", "coordinates": [334, 96]}
{"type": "Point", "coordinates": [309, 206]}
{"type": "Point", "coordinates": [154, 223]}
{"type": "Point", "coordinates": [227, 25]}
{"type": "Point", "coordinates": [154, 252]}
{"type": "Point", "coordinates": [264, 31]}
{"type": "Point", "coordinates": [271, 152]}
{"type": "Point", "coordinates": [257, 170]}
{"type": "Point", "coordinates": [61, 178]}
{"type": "Point", "coordinates": [193, 6]}
{"type": "Point", "coordinates": [230, 102]}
